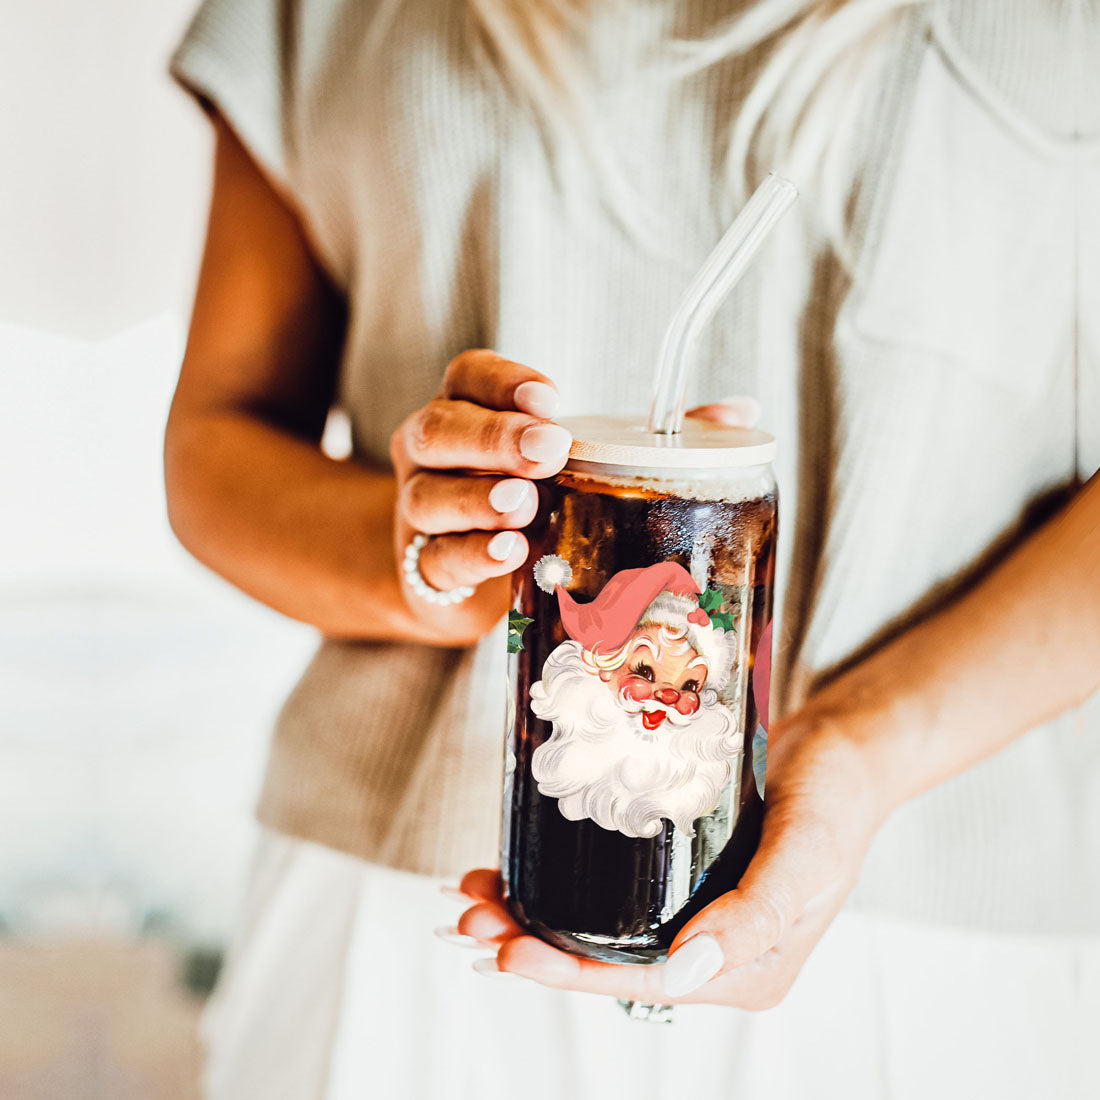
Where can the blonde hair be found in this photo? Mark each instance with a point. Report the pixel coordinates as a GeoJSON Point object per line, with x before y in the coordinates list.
{"type": "Point", "coordinates": [799, 118]}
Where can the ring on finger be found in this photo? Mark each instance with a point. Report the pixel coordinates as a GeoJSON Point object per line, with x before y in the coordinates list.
{"type": "Point", "coordinates": [420, 586]}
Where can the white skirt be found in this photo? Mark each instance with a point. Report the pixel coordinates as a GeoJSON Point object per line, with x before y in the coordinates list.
{"type": "Point", "coordinates": [336, 989]}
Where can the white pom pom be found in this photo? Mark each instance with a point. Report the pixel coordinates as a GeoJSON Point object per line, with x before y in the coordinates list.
{"type": "Point", "coordinates": [550, 571]}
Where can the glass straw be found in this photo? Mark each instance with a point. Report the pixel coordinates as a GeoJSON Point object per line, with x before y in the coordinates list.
{"type": "Point", "coordinates": [716, 278]}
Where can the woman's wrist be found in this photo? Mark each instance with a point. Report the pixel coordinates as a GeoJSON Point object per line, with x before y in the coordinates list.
{"type": "Point", "coordinates": [873, 719]}
{"type": "Point", "coordinates": [1011, 652]}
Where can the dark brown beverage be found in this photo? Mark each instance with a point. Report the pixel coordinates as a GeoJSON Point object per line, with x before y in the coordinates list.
{"type": "Point", "coordinates": [658, 592]}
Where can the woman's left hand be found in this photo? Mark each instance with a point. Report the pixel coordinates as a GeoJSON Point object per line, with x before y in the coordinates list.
{"type": "Point", "coordinates": [822, 806]}
{"type": "Point", "coordinates": [928, 704]}
{"type": "Point", "coordinates": [746, 948]}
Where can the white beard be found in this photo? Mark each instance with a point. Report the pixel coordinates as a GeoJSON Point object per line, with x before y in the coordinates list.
{"type": "Point", "coordinates": [601, 763]}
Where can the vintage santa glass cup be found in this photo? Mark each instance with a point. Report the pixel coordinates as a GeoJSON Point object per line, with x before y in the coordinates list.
{"type": "Point", "coordinates": [639, 647]}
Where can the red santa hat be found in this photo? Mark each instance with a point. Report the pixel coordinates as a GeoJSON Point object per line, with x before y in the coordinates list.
{"type": "Point", "coordinates": [661, 594]}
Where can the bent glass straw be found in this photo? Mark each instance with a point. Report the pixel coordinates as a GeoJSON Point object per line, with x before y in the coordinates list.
{"type": "Point", "coordinates": [706, 292]}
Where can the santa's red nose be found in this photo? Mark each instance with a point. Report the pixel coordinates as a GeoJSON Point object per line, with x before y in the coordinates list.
{"type": "Point", "coordinates": [668, 696]}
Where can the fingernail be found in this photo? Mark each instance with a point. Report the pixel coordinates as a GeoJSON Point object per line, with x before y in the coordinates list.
{"type": "Point", "coordinates": [545, 443]}
{"type": "Point", "coordinates": [451, 934]}
{"type": "Point", "coordinates": [454, 892]}
{"type": "Point", "coordinates": [500, 546]}
{"type": "Point", "coordinates": [488, 968]}
{"type": "Point", "coordinates": [746, 409]}
{"type": "Point", "coordinates": [507, 496]}
{"type": "Point", "coordinates": [536, 398]}
{"type": "Point", "coordinates": [693, 964]}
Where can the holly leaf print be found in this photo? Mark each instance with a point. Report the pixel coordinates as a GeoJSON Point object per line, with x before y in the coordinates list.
{"type": "Point", "coordinates": [711, 600]}
{"type": "Point", "coordinates": [721, 619]}
{"type": "Point", "coordinates": [517, 624]}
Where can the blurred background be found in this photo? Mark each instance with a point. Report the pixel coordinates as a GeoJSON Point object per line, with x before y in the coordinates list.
{"type": "Point", "coordinates": [136, 689]}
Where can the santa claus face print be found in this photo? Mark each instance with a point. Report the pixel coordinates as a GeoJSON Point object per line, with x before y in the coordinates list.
{"type": "Point", "coordinates": [661, 672]}
{"type": "Point", "coordinates": [639, 735]}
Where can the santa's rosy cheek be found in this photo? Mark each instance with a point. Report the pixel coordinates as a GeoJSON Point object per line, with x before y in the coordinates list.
{"type": "Point", "coordinates": [688, 703]}
{"type": "Point", "coordinates": [637, 688]}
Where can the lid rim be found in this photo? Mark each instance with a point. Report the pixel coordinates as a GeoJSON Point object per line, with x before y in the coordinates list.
{"type": "Point", "coordinates": [676, 474]}
{"type": "Point", "coordinates": [625, 441]}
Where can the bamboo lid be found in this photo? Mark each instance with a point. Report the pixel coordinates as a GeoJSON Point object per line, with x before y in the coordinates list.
{"type": "Point", "coordinates": [702, 445]}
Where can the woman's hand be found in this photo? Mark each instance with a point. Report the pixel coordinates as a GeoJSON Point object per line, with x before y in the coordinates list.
{"type": "Point", "coordinates": [746, 948]}
{"type": "Point", "coordinates": [465, 466]}
{"type": "Point", "coordinates": [823, 804]}
{"type": "Point", "coordinates": [935, 700]}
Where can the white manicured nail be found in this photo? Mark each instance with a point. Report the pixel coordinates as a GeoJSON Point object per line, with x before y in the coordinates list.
{"type": "Point", "coordinates": [456, 893]}
{"type": "Point", "coordinates": [536, 398]}
{"type": "Point", "coordinates": [488, 968]}
{"type": "Point", "coordinates": [507, 496]}
{"type": "Point", "coordinates": [451, 934]}
{"type": "Point", "coordinates": [693, 964]}
{"type": "Point", "coordinates": [545, 443]}
{"type": "Point", "coordinates": [500, 546]}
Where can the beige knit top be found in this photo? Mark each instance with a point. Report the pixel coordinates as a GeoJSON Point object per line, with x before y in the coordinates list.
{"type": "Point", "coordinates": [930, 399]}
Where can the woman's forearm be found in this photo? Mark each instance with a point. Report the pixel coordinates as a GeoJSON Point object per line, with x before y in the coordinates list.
{"type": "Point", "coordinates": [1020, 647]}
{"type": "Point", "coordinates": [251, 494]}
{"type": "Point", "coordinates": [309, 536]}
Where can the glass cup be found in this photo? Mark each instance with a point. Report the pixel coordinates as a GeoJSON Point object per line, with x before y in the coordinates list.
{"type": "Point", "coordinates": [630, 798]}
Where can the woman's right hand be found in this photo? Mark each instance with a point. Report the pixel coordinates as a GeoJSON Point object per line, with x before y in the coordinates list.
{"type": "Point", "coordinates": [465, 465]}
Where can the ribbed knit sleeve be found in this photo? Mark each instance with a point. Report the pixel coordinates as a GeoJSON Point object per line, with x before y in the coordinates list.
{"type": "Point", "coordinates": [234, 57]}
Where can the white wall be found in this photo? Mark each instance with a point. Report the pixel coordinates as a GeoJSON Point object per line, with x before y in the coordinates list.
{"type": "Point", "coordinates": [105, 165]}
{"type": "Point", "coordinates": [136, 691]}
